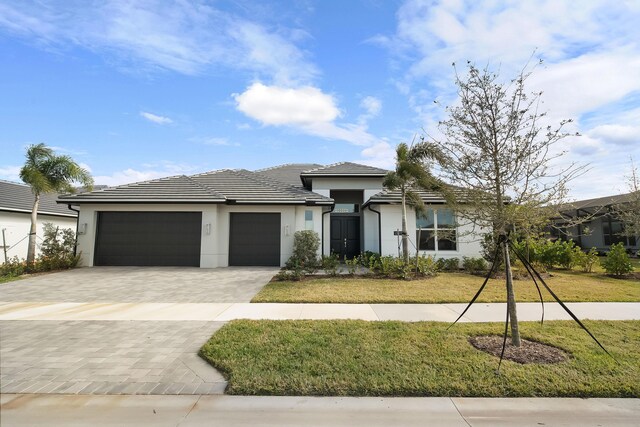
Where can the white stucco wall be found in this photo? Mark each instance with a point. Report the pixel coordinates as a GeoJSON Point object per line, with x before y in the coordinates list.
{"type": "Point", "coordinates": [468, 239]}
{"type": "Point", "coordinates": [215, 245]}
{"type": "Point", "coordinates": [324, 186]}
{"type": "Point", "coordinates": [17, 225]}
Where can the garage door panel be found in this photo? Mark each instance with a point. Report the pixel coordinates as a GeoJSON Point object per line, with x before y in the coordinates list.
{"type": "Point", "coordinates": [254, 239]}
{"type": "Point", "coordinates": [148, 238]}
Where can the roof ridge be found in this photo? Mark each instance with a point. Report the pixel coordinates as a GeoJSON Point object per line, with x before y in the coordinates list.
{"type": "Point", "coordinates": [207, 189]}
{"type": "Point", "coordinates": [14, 183]}
{"type": "Point", "coordinates": [274, 183]}
{"type": "Point", "coordinates": [282, 166]}
{"type": "Point", "coordinates": [325, 167]}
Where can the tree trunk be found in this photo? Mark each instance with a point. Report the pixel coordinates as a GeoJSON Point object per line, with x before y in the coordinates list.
{"type": "Point", "coordinates": [511, 298]}
{"type": "Point", "coordinates": [405, 240]}
{"type": "Point", "coordinates": [31, 250]}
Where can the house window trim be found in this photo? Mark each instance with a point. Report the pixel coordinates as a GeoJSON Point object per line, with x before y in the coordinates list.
{"type": "Point", "coordinates": [435, 230]}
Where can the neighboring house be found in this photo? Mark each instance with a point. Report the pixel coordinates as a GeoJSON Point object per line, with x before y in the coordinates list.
{"type": "Point", "coordinates": [16, 203]}
{"type": "Point", "coordinates": [599, 227]}
{"type": "Point", "coordinates": [239, 217]}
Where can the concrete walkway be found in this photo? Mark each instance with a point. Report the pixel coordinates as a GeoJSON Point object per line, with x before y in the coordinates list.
{"type": "Point", "coordinates": [223, 312]}
{"type": "Point", "coordinates": [192, 411]}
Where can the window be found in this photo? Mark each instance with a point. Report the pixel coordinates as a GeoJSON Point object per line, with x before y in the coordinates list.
{"type": "Point", "coordinates": [308, 220]}
{"type": "Point", "coordinates": [436, 225]}
{"type": "Point", "coordinates": [346, 208]}
{"type": "Point", "coordinates": [612, 230]}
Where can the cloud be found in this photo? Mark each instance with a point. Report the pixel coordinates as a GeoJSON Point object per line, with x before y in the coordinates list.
{"type": "Point", "coordinates": [617, 134]}
{"type": "Point", "coordinates": [306, 109]}
{"type": "Point", "coordinates": [161, 120]}
{"type": "Point", "coordinates": [184, 37]}
{"type": "Point", "coordinates": [381, 155]}
{"type": "Point", "coordinates": [10, 173]}
{"type": "Point", "coordinates": [148, 172]}
{"type": "Point", "coordinates": [371, 105]}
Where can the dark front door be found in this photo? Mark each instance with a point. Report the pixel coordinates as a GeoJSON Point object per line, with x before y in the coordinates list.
{"type": "Point", "coordinates": [254, 239]}
{"type": "Point", "coordinates": [345, 236]}
{"type": "Point", "coordinates": [148, 238]}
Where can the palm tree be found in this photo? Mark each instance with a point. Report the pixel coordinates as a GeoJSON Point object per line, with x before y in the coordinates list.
{"type": "Point", "coordinates": [409, 176]}
{"type": "Point", "coordinates": [46, 172]}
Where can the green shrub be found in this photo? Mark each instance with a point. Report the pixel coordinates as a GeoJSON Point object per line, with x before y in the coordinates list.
{"type": "Point", "coordinates": [330, 264]}
{"type": "Point", "coordinates": [305, 252]}
{"type": "Point", "coordinates": [617, 262]}
{"type": "Point", "coordinates": [474, 265]}
{"type": "Point", "coordinates": [369, 259]}
{"type": "Point", "coordinates": [585, 260]}
{"type": "Point", "coordinates": [352, 265]}
{"type": "Point", "coordinates": [14, 267]}
{"type": "Point", "coordinates": [448, 264]}
{"type": "Point", "coordinates": [425, 265]}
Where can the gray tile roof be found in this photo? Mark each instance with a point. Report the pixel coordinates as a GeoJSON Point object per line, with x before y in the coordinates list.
{"type": "Point", "coordinates": [178, 188]}
{"type": "Point", "coordinates": [394, 196]}
{"type": "Point", "coordinates": [224, 186]}
{"type": "Point", "coordinates": [17, 197]}
{"type": "Point", "coordinates": [599, 202]}
{"type": "Point", "coordinates": [345, 169]}
{"type": "Point", "coordinates": [289, 173]}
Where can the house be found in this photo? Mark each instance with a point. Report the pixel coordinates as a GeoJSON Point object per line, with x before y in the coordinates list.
{"type": "Point", "coordinates": [598, 226]}
{"type": "Point", "coordinates": [241, 217]}
{"type": "Point", "coordinates": [16, 203]}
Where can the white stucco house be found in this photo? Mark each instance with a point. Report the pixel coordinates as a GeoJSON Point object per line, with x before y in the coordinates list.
{"type": "Point", "coordinates": [241, 217]}
{"type": "Point", "coordinates": [16, 203]}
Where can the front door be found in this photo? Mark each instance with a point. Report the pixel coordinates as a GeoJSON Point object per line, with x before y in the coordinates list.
{"type": "Point", "coordinates": [345, 236]}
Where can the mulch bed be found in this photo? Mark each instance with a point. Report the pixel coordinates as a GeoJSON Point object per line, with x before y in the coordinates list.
{"type": "Point", "coordinates": [528, 352]}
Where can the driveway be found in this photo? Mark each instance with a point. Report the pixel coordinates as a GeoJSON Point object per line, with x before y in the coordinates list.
{"type": "Point", "coordinates": [141, 284]}
{"type": "Point", "coordinates": [118, 356]}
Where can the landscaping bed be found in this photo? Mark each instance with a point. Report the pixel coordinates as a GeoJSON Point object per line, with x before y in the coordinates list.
{"type": "Point", "coordinates": [358, 358]}
{"type": "Point", "coordinates": [571, 286]}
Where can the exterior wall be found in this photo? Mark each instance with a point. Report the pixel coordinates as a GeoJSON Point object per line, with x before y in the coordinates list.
{"type": "Point", "coordinates": [214, 245]}
{"type": "Point", "coordinates": [17, 225]}
{"type": "Point", "coordinates": [468, 239]}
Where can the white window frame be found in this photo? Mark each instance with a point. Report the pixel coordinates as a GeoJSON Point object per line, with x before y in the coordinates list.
{"type": "Point", "coordinates": [435, 231]}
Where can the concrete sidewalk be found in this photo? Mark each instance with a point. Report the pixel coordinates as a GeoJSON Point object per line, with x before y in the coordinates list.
{"type": "Point", "coordinates": [192, 411]}
{"type": "Point", "coordinates": [223, 312]}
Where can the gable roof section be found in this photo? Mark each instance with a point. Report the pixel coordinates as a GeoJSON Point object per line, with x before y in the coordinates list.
{"type": "Point", "coordinates": [395, 197]}
{"type": "Point", "coordinates": [289, 173]}
{"type": "Point", "coordinates": [345, 169]}
{"type": "Point", "coordinates": [224, 186]}
{"type": "Point", "coordinates": [600, 202]}
{"type": "Point", "coordinates": [177, 189]}
{"type": "Point", "coordinates": [15, 197]}
{"type": "Point", "coordinates": [243, 186]}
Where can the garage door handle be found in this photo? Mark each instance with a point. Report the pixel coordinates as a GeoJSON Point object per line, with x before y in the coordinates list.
{"type": "Point", "coordinates": [345, 242]}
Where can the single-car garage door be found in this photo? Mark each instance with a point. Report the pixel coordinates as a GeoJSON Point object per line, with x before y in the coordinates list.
{"type": "Point", "coordinates": [148, 238]}
{"type": "Point", "coordinates": [254, 239]}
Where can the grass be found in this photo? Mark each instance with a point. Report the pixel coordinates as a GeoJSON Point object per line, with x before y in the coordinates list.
{"type": "Point", "coordinates": [570, 286]}
{"type": "Point", "coordinates": [6, 279]}
{"type": "Point", "coordinates": [358, 358]}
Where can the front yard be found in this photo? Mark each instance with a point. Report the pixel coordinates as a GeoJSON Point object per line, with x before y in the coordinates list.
{"type": "Point", "coordinates": [358, 358]}
{"type": "Point", "coordinates": [570, 286]}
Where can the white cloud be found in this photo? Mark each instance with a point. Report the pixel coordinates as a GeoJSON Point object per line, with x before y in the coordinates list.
{"type": "Point", "coordinates": [10, 173]}
{"type": "Point", "coordinates": [381, 155]}
{"type": "Point", "coordinates": [185, 37]}
{"type": "Point", "coordinates": [148, 172]}
{"type": "Point", "coordinates": [215, 141]}
{"type": "Point", "coordinates": [617, 134]}
{"type": "Point", "coordinates": [371, 105]}
{"type": "Point", "coordinates": [161, 120]}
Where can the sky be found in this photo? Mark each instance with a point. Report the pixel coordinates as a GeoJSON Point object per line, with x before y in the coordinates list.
{"type": "Point", "coordinates": [137, 90]}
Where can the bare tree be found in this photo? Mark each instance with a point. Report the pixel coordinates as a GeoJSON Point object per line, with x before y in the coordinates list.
{"type": "Point", "coordinates": [629, 211]}
{"type": "Point", "coordinates": [495, 144]}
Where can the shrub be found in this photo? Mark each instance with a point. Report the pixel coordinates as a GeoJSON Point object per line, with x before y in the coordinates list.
{"type": "Point", "coordinates": [425, 265]}
{"type": "Point", "coordinates": [617, 262]}
{"type": "Point", "coordinates": [369, 259]}
{"type": "Point", "coordinates": [474, 265]}
{"type": "Point", "coordinates": [305, 252]}
{"type": "Point", "coordinates": [330, 264]}
{"type": "Point", "coordinates": [448, 264]}
{"type": "Point", "coordinates": [14, 267]}
{"type": "Point", "coordinates": [586, 260]}
{"type": "Point", "coordinates": [352, 265]}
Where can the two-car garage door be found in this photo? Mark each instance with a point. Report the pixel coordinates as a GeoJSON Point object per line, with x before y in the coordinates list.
{"type": "Point", "coordinates": [174, 239]}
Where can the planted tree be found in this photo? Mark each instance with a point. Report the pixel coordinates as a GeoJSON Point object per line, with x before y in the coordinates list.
{"type": "Point", "coordinates": [629, 211]}
{"type": "Point", "coordinates": [496, 145]}
{"type": "Point", "coordinates": [410, 176]}
{"type": "Point", "coordinates": [47, 172]}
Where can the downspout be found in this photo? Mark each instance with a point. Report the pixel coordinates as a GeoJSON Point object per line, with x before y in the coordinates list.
{"type": "Point", "coordinates": [75, 246]}
{"type": "Point", "coordinates": [322, 221]}
{"type": "Point", "coordinates": [379, 229]}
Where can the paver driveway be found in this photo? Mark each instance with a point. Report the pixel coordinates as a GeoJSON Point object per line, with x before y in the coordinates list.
{"type": "Point", "coordinates": [118, 357]}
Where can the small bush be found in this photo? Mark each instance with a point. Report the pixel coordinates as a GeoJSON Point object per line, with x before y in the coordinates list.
{"type": "Point", "coordinates": [448, 264]}
{"type": "Point", "coordinates": [369, 259]}
{"type": "Point", "coordinates": [617, 262]}
{"type": "Point", "coordinates": [474, 265]}
{"type": "Point", "coordinates": [330, 264]}
{"type": "Point", "coordinates": [585, 260]}
{"type": "Point", "coordinates": [425, 265]}
{"type": "Point", "coordinates": [14, 267]}
{"type": "Point", "coordinates": [305, 252]}
{"type": "Point", "coordinates": [352, 265]}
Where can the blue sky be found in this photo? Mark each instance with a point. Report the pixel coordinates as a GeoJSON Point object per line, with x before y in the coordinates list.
{"type": "Point", "coordinates": [139, 90]}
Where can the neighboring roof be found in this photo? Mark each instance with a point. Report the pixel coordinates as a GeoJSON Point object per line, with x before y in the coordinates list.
{"type": "Point", "coordinates": [289, 173]}
{"type": "Point", "coordinates": [15, 197]}
{"type": "Point", "coordinates": [345, 169]}
{"type": "Point", "coordinates": [600, 202]}
{"type": "Point", "coordinates": [395, 196]}
{"type": "Point", "coordinates": [178, 188]}
{"type": "Point", "coordinates": [243, 186]}
{"type": "Point", "coordinates": [224, 186]}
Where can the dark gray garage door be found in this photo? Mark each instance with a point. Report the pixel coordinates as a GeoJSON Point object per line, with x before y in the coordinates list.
{"type": "Point", "coordinates": [148, 238]}
{"type": "Point", "coordinates": [254, 239]}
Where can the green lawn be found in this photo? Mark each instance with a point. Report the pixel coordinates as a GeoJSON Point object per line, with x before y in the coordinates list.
{"type": "Point", "coordinates": [358, 358]}
{"type": "Point", "coordinates": [5, 279]}
{"type": "Point", "coordinates": [448, 287]}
